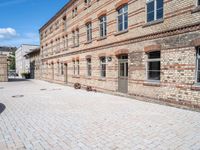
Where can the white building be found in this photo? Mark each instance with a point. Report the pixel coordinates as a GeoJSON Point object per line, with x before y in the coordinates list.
{"type": "Point", "coordinates": [23, 63]}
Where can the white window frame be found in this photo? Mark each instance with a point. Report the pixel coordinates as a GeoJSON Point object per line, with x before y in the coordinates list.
{"type": "Point", "coordinates": [89, 67]}
{"type": "Point", "coordinates": [62, 69]}
{"type": "Point", "coordinates": [103, 23]}
{"type": "Point", "coordinates": [197, 62]}
{"type": "Point", "coordinates": [74, 67]}
{"type": "Point", "coordinates": [155, 10]}
{"type": "Point", "coordinates": [78, 67]}
{"type": "Point", "coordinates": [89, 31]}
{"type": "Point", "coordinates": [147, 67]}
{"type": "Point", "coordinates": [74, 37]}
{"type": "Point", "coordinates": [77, 37]}
{"type": "Point", "coordinates": [123, 14]}
{"type": "Point", "coordinates": [101, 67]}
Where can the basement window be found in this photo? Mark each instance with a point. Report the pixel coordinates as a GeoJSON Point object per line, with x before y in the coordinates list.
{"type": "Point", "coordinates": [153, 66]}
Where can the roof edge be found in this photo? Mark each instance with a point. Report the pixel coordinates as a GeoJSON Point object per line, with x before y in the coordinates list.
{"type": "Point", "coordinates": [67, 5]}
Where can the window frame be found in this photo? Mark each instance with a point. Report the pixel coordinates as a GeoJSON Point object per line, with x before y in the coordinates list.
{"type": "Point", "coordinates": [77, 37]}
{"type": "Point", "coordinates": [147, 66]}
{"type": "Point", "coordinates": [89, 67]}
{"type": "Point", "coordinates": [74, 67]}
{"type": "Point", "coordinates": [154, 11]}
{"type": "Point", "coordinates": [197, 65]}
{"type": "Point", "coordinates": [103, 24]}
{"type": "Point", "coordinates": [123, 14]}
{"type": "Point", "coordinates": [102, 70]}
{"type": "Point", "coordinates": [62, 69]}
{"type": "Point", "coordinates": [89, 31]}
{"type": "Point", "coordinates": [74, 38]}
{"type": "Point", "coordinates": [78, 67]}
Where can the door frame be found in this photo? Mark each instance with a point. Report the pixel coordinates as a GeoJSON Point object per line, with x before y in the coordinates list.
{"type": "Point", "coordinates": [123, 59]}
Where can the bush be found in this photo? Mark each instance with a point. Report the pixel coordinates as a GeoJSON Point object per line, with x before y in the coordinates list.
{"type": "Point", "coordinates": [77, 86]}
{"type": "Point", "coordinates": [26, 75]}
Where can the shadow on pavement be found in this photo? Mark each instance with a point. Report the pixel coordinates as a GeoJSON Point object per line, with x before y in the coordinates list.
{"type": "Point", "coordinates": [2, 107]}
{"type": "Point", "coordinates": [17, 79]}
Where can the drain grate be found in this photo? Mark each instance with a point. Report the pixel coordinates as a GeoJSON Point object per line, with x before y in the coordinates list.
{"type": "Point", "coordinates": [56, 89]}
{"type": "Point", "coordinates": [43, 89]}
{"type": "Point", "coordinates": [17, 96]}
{"type": "Point", "coordinates": [1, 87]}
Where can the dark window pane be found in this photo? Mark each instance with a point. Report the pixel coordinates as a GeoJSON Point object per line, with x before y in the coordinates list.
{"type": "Point", "coordinates": [150, 6]}
{"type": "Point", "coordinates": [150, 17]}
{"type": "Point", "coordinates": [154, 66]}
{"type": "Point", "coordinates": [198, 76]}
{"type": "Point", "coordinates": [127, 69]}
{"type": "Point", "coordinates": [199, 64]}
{"type": "Point", "coordinates": [159, 4]}
{"type": "Point", "coordinates": [126, 21]}
{"type": "Point", "coordinates": [154, 55]}
{"type": "Point", "coordinates": [154, 75]}
{"type": "Point", "coordinates": [198, 2]}
{"type": "Point", "coordinates": [159, 13]}
{"type": "Point", "coordinates": [122, 73]}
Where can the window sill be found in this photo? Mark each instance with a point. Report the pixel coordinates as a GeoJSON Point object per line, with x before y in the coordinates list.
{"type": "Point", "coordinates": [121, 32]}
{"type": "Point", "coordinates": [88, 42]}
{"type": "Point", "coordinates": [102, 79]}
{"type": "Point", "coordinates": [197, 9]}
{"type": "Point", "coordinates": [75, 46]}
{"type": "Point", "coordinates": [102, 38]}
{"type": "Point", "coordinates": [153, 23]}
{"type": "Point", "coordinates": [75, 76]}
{"type": "Point", "coordinates": [195, 87]}
{"type": "Point", "coordinates": [152, 83]}
{"type": "Point", "coordinates": [88, 77]}
{"type": "Point", "coordinates": [87, 6]}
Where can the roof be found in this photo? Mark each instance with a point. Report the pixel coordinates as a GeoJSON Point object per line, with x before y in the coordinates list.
{"type": "Point", "coordinates": [7, 49]}
{"type": "Point", "coordinates": [64, 8]}
{"type": "Point", "coordinates": [33, 51]}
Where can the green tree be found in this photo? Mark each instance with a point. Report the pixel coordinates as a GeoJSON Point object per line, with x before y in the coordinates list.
{"type": "Point", "coordinates": [11, 58]}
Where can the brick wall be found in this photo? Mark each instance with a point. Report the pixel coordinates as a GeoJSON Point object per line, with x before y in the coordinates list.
{"type": "Point", "coordinates": [3, 68]}
{"type": "Point", "coordinates": [174, 36]}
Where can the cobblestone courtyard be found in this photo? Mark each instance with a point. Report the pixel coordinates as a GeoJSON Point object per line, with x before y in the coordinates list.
{"type": "Point", "coordinates": [51, 116]}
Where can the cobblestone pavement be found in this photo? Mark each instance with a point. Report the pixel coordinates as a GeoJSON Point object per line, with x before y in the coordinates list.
{"type": "Point", "coordinates": [51, 116]}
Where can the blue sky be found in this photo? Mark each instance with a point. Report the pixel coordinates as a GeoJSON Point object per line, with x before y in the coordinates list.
{"type": "Point", "coordinates": [20, 20]}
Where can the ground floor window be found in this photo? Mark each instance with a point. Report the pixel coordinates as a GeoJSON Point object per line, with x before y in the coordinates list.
{"type": "Point", "coordinates": [198, 65]}
{"type": "Point", "coordinates": [74, 67]}
{"type": "Point", "coordinates": [103, 67]}
{"type": "Point", "coordinates": [89, 67]}
{"type": "Point", "coordinates": [62, 69]}
{"type": "Point", "coordinates": [153, 66]}
{"type": "Point", "coordinates": [78, 67]}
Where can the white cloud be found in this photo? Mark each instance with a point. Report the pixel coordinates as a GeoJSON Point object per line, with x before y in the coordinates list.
{"type": "Point", "coordinates": [7, 33]}
{"type": "Point", "coordinates": [15, 39]}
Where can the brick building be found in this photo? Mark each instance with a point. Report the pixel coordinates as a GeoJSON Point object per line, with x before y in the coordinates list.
{"type": "Point", "coordinates": [143, 48]}
{"type": "Point", "coordinates": [3, 68]}
{"type": "Point", "coordinates": [35, 63]}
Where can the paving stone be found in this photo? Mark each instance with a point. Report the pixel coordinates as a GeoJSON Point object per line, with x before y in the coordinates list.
{"type": "Point", "coordinates": [68, 119]}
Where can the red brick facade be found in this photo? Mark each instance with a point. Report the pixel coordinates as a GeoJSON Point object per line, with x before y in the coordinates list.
{"type": "Point", "coordinates": [176, 37]}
